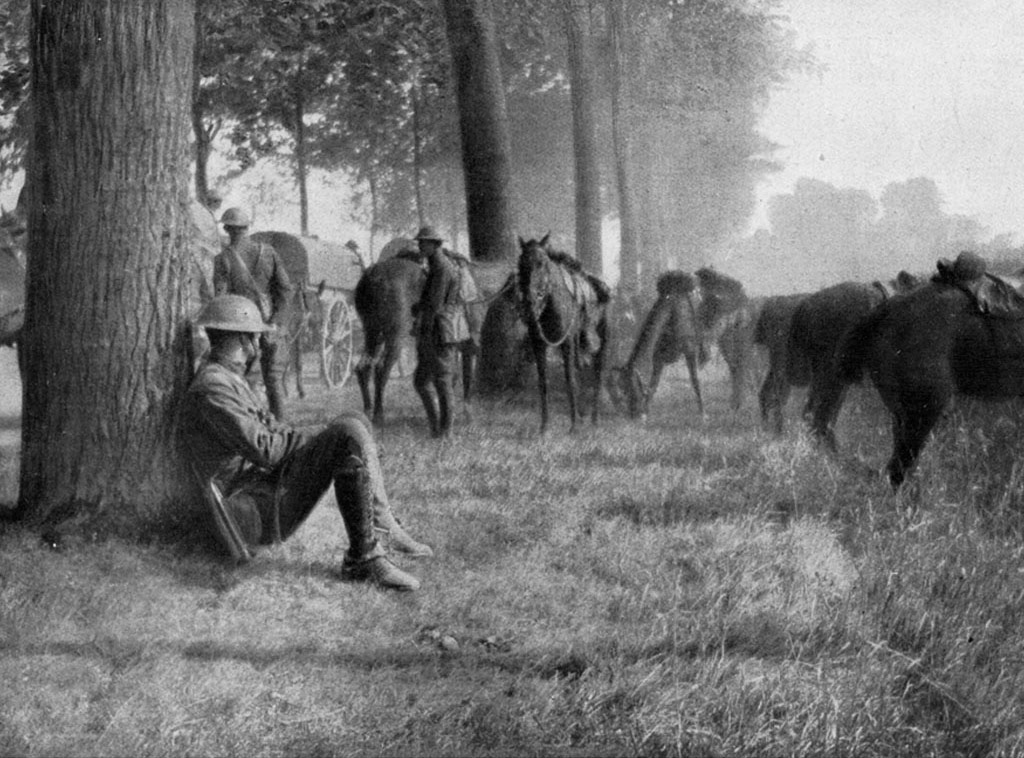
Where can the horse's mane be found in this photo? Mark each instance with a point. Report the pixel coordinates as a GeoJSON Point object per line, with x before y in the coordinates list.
{"type": "Point", "coordinates": [675, 283]}
{"type": "Point", "coordinates": [565, 259]}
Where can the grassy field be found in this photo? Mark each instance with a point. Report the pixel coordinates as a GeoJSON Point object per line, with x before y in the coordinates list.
{"type": "Point", "coordinates": [680, 588]}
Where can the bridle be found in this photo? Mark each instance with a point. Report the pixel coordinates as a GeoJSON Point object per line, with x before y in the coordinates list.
{"type": "Point", "coordinates": [538, 292]}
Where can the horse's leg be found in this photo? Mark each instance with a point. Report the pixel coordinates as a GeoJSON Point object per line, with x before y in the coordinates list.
{"type": "Point", "coordinates": [468, 352]}
{"type": "Point", "coordinates": [569, 357]}
{"type": "Point", "coordinates": [691, 367]}
{"type": "Point", "coordinates": [540, 358]}
{"type": "Point", "coordinates": [770, 400]}
{"type": "Point", "coordinates": [297, 363]}
{"type": "Point", "coordinates": [389, 355]}
{"type": "Point", "coordinates": [912, 423]}
{"type": "Point", "coordinates": [826, 410]}
{"type": "Point", "coordinates": [365, 369]}
{"type": "Point", "coordinates": [598, 381]}
{"type": "Point", "coordinates": [423, 382]}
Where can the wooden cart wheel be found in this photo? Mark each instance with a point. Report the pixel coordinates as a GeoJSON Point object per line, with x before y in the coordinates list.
{"type": "Point", "coordinates": [336, 345]}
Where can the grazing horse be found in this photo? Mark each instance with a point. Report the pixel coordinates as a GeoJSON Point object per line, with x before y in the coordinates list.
{"type": "Point", "coordinates": [564, 307]}
{"type": "Point", "coordinates": [691, 312]}
{"type": "Point", "coordinates": [925, 347]}
{"type": "Point", "coordinates": [819, 323]}
{"type": "Point", "coordinates": [671, 330]}
{"type": "Point", "coordinates": [12, 277]}
{"type": "Point", "coordinates": [384, 297]}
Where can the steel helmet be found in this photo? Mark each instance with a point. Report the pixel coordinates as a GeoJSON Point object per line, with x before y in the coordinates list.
{"type": "Point", "coordinates": [232, 313]}
{"type": "Point", "coordinates": [234, 217]}
{"type": "Point", "coordinates": [427, 233]}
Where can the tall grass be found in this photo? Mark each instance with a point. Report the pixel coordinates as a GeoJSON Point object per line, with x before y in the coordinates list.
{"type": "Point", "coordinates": [679, 588]}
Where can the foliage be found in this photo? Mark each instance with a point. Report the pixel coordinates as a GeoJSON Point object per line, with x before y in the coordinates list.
{"type": "Point", "coordinates": [14, 84]}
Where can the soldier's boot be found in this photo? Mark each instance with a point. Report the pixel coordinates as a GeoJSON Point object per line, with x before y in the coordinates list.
{"type": "Point", "coordinates": [396, 538]}
{"type": "Point", "coordinates": [365, 559]}
{"type": "Point", "coordinates": [444, 398]}
{"type": "Point", "coordinates": [430, 407]}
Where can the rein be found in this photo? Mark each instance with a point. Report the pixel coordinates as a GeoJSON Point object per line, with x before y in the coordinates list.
{"type": "Point", "coordinates": [535, 315]}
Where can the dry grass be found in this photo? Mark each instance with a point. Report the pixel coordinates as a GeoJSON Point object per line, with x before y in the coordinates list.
{"type": "Point", "coordinates": [680, 588]}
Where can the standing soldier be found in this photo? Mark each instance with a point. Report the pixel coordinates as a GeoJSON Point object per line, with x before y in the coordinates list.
{"type": "Point", "coordinates": [442, 328]}
{"type": "Point", "coordinates": [255, 271]}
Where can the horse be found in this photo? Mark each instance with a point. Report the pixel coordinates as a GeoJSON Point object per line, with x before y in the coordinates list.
{"type": "Point", "coordinates": [771, 332]}
{"type": "Point", "coordinates": [727, 317]}
{"type": "Point", "coordinates": [925, 347]}
{"type": "Point", "coordinates": [563, 307]}
{"type": "Point", "coordinates": [303, 307]}
{"type": "Point", "coordinates": [819, 323]}
{"type": "Point", "coordinates": [692, 311]}
{"type": "Point", "coordinates": [384, 297]}
{"type": "Point", "coordinates": [670, 330]}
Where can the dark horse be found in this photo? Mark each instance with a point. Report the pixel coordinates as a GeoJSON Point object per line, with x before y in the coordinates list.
{"type": "Point", "coordinates": [922, 349]}
{"type": "Point", "coordinates": [817, 324]}
{"type": "Point", "coordinates": [304, 303]}
{"type": "Point", "coordinates": [564, 307]}
{"type": "Point", "coordinates": [784, 370]}
{"type": "Point", "coordinates": [384, 297]}
{"type": "Point", "coordinates": [691, 313]}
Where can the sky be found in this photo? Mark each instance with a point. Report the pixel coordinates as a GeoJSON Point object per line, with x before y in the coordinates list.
{"type": "Point", "coordinates": [909, 88]}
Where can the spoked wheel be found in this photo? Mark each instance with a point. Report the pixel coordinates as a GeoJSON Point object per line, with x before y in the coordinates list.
{"type": "Point", "coordinates": [336, 345]}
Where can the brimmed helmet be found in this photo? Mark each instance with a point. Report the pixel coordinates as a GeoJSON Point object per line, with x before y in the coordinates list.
{"type": "Point", "coordinates": [232, 313]}
{"type": "Point", "coordinates": [234, 217]}
{"type": "Point", "coordinates": [427, 233]}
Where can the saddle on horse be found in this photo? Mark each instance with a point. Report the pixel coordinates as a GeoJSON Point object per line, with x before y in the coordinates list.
{"type": "Point", "coordinates": [993, 295]}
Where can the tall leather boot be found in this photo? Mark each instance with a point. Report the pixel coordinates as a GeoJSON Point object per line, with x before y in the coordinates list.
{"type": "Point", "coordinates": [444, 398]}
{"type": "Point", "coordinates": [365, 559]}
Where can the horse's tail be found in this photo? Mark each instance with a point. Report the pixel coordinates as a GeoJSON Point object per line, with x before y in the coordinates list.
{"type": "Point", "coordinates": [855, 346]}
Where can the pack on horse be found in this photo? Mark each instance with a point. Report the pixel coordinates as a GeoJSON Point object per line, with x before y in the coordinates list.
{"type": "Point", "coordinates": [304, 306]}
{"type": "Point", "coordinates": [962, 333]}
{"type": "Point", "coordinates": [384, 299]}
{"type": "Point", "coordinates": [564, 307]}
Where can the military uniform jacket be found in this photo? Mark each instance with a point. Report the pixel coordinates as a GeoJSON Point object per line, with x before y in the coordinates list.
{"type": "Point", "coordinates": [228, 434]}
{"type": "Point", "coordinates": [266, 272]}
{"type": "Point", "coordinates": [442, 307]}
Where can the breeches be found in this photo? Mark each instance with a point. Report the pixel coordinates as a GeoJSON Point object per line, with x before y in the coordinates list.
{"type": "Point", "coordinates": [435, 363]}
{"type": "Point", "coordinates": [297, 485]}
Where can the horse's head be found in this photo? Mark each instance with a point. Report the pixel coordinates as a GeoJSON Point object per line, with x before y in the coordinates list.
{"type": "Point", "coordinates": [532, 269]}
{"type": "Point", "coordinates": [628, 388]}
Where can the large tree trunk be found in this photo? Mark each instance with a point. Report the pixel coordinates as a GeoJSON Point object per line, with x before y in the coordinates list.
{"type": "Point", "coordinates": [109, 226]}
{"type": "Point", "coordinates": [578, 30]}
{"type": "Point", "coordinates": [629, 239]}
{"type": "Point", "coordinates": [301, 165]}
{"type": "Point", "coordinates": [486, 148]}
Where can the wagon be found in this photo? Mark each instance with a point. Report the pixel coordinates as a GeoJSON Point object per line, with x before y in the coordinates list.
{"type": "Point", "coordinates": [326, 275]}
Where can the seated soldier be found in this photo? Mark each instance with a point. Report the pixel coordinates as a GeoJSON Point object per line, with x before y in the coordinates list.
{"type": "Point", "coordinates": [272, 474]}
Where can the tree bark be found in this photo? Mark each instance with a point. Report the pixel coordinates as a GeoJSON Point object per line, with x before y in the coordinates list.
{"type": "Point", "coordinates": [630, 254]}
{"type": "Point", "coordinates": [301, 167]}
{"type": "Point", "coordinates": [579, 34]}
{"type": "Point", "coordinates": [108, 266]}
{"type": "Point", "coordinates": [483, 121]}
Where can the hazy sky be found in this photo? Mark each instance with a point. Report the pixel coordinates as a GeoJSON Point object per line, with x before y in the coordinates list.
{"type": "Point", "coordinates": [912, 88]}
